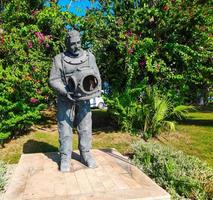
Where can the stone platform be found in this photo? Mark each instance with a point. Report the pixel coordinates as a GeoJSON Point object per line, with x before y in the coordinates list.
{"type": "Point", "coordinates": [37, 178]}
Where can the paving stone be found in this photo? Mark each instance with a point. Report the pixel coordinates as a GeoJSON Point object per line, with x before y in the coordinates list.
{"type": "Point", "coordinates": [37, 178]}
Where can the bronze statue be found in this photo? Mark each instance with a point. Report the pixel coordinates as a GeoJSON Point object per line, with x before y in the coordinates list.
{"type": "Point", "coordinates": [76, 79]}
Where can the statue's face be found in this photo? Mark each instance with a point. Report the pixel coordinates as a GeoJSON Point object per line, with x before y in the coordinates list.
{"type": "Point", "coordinates": [75, 46]}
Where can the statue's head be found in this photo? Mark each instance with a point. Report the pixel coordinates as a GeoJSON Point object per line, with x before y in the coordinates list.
{"type": "Point", "coordinates": [73, 42]}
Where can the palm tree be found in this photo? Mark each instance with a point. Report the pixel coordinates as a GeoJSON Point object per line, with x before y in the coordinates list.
{"type": "Point", "coordinates": [157, 113]}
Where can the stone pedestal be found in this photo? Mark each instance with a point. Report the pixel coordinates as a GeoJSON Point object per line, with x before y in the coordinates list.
{"type": "Point", "coordinates": [37, 178]}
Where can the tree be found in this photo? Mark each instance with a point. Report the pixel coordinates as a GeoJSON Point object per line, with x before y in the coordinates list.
{"type": "Point", "coordinates": [32, 35]}
{"type": "Point", "coordinates": [167, 42]}
{"type": "Point", "coordinates": [164, 44]}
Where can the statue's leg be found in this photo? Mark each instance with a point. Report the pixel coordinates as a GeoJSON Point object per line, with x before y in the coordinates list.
{"type": "Point", "coordinates": [84, 128]}
{"type": "Point", "coordinates": [65, 116]}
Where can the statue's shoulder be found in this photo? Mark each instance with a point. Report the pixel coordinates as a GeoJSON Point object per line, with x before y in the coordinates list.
{"type": "Point", "coordinates": [90, 54]}
{"type": "Point", "coordinates": [59, 56]}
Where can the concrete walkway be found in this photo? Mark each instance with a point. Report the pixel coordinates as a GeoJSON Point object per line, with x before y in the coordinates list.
{"type": "Point", "coordinates": [37, 178]}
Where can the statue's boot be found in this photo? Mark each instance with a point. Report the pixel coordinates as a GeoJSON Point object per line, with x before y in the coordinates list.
{"type": "Point", "coordinates": [87, 159]}
{"type": "Point", "coordinates": [65, 165]}
{"type": "Point", "coordinates": [84, 128]}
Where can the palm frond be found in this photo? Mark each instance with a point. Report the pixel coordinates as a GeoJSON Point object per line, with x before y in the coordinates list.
{"type": "Point", "coordinates": [169, 125]}
{"type": "Point", "coordinates": [181, 111]}
{"type": "Point", "coordinates": [161, 111]}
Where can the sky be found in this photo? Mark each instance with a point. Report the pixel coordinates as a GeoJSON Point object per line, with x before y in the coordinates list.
{"type": "Point", "coordinates": [77, 7]}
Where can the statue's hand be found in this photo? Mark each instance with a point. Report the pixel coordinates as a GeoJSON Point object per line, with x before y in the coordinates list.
{"type": "Point", "coordinates": [69, 96]}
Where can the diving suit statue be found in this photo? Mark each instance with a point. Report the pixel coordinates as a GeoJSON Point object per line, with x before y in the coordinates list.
{"type": "Point", "coordinates": [76, 79]}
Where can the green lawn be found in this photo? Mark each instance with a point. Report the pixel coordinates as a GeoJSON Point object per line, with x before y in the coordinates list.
{"type": "Point", "coordinates": [194, 136]}
{"type": "Point", "coordinates": [41, 141]}
{"type": "Point", "coordinates": [44, 138]}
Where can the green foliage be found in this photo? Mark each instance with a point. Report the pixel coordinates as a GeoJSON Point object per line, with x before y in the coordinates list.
{"type": "Point", "coordinates": [164, 44]}
{"type": "Point", "coordinates": [3, 171]}
{"type": "Point", "coordinates": [32, 34]}
{"type": "Point", "coordinates": [144, 112]}
{"type": "Point", "coordinates": [124, 108]}
{"type": "Point", "coordinates": [181, 175]}
{"type": "Point", "coordinates": [155, 111]}
{"type": "Point", "coordinates": [181, 112]}
{"type": "Point", "coordinates": [167, 42]}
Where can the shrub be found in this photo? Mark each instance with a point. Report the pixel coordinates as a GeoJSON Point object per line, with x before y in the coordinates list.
{"type": "Point", "coordinates": [32, 33]}
{"type": "Point", "coordinates": [124, 108]}
{"type": "Point", "coordinates": [155, 111]}
{"type": "Point", "coordinates": [181, 175]}
{"type": "Point", "coordinates": [2, 175]}
{"type": "Point", "coordinates": [169, 42]}
{"type": "Point", "coordinates": [143, 110]}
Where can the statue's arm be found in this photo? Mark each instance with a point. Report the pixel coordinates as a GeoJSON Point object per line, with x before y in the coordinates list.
{"type": "Point", "coordinates": [56, 76]}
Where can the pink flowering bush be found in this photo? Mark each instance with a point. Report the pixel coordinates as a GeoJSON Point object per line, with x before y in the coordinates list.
{"type": "Point", "coordinates": [32, 35]}
{"type": "Point", "coordinates": [167, 42]}
{"type": "Point", "coordinates": [164, 44]}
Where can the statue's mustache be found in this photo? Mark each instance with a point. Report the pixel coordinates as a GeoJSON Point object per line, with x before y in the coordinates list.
{"type": "Point", "coordinates": [76, 49]}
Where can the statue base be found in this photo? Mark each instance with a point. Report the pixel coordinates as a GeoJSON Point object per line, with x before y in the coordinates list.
{"type": "Point", "coordinates": [37, 177]}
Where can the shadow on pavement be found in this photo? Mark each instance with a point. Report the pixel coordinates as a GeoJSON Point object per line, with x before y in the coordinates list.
{"type": "Point", "coordinates": [33, 146]}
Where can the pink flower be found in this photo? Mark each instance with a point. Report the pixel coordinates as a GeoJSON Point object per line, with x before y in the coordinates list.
{"type": "Point", "coordinates": [47, 45]}
{"type": "Point", "coordinates": [130, 50]}
{"type": "Point", "coordinates": [142, 64]}
{"type": "Point", "coordinates": [30, 45]}
{"type": "Point", "coordinates": [33, 100]}
{"type": "Point", "coordinates": [129, 33]}
{"type": "Point", "coordinates": [165, 7]}
{"type": "Point", "coordinates": [34, 12]}
{"type": "Point", "coordinates": [2, 39]}
{"type": "Point", "coordinates": [37, 34]}
{"type": "Point", "coordinates": [41, 37]}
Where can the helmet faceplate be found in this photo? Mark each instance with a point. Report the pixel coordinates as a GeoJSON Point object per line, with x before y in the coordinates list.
{"type": "Point", "coordinates": [82, 79]}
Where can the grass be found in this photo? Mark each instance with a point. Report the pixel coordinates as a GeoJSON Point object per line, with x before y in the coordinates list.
{"type": "Point", "coordinates": [40, 141]}
{"type": "Point", "coordinates": [44, 138]}
{"type": "Point", "coordinates": [194, 136]}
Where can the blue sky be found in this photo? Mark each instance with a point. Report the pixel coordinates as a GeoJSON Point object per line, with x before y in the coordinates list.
{"type": "Point", "coordinates": [77, 7]}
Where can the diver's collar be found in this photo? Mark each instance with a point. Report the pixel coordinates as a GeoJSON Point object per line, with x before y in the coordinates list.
{"type": "Point", "coordinates": [69, 58]}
